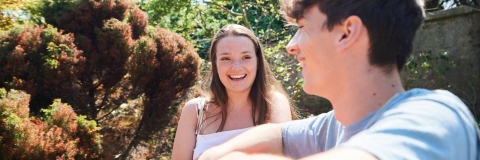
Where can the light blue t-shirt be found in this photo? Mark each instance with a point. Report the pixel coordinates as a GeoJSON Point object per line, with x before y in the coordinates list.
{"type": "Point", "coordinates": [417, 124]}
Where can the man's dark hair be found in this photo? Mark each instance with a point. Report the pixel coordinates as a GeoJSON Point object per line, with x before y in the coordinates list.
{"type": "Point", "coordinates": [391, 24]}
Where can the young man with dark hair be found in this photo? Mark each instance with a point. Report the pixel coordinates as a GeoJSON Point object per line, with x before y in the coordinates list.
{"type": "Point", "coordinates": [351, 52]}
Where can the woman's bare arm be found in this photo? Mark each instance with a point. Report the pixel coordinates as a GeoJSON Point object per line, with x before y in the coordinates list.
{"type": "Point", "coordinates": [185, 137]}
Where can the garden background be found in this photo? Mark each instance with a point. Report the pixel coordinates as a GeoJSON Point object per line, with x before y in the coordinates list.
{"type": "Point", "coordinates": [107, 79]}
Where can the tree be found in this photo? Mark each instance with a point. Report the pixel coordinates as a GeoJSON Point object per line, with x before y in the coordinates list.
{"type": "Point", "coordinates": [156, 9]}
{"type": "Point", "coordinates": [59, 134]}
{"type": "Point", "coordinates": [104, 55]}
{"type": "Point", "coordinates": [41, 61]}
{"type": "Point", "coordinates": [18, 11]}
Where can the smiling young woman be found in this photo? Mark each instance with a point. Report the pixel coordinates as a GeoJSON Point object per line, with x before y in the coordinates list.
{"type": "Point", "coordinates": [242, 93]}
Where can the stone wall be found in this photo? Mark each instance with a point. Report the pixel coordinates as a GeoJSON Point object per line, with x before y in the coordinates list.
{"type": "Point", "coordinates": [446, 55]}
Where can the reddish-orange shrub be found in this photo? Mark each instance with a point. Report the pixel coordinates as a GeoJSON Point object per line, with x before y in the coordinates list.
{"type": "Point", "coordinates": [60, 134]}
{"type": "Point", "coordinates": [95, 56]}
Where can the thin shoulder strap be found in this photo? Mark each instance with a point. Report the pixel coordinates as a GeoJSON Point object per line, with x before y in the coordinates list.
{"type": "Point", "coordinates": [200, 106]}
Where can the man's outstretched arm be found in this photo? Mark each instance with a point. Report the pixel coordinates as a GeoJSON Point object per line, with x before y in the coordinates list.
{"type": "Point", "coordinates": [337, 154]}
{"type": "Point", "coordinates": [266, 138]}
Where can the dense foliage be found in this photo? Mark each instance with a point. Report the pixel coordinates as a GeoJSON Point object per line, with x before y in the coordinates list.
{"type": "Point", "coordinates": [41, 61]}
{"type": "Point", "coordinates": [18, 12]}
{"type": "Point", "coordinates": [96, 56]}
{"type": "Point", "coordinates": [59, 134]}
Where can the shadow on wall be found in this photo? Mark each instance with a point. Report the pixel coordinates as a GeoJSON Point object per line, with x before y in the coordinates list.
{"type": "Point", "coordinates": [446, 55]}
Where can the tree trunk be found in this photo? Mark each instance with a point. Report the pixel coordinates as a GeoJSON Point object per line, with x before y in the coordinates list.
{"type": "Point", "coordinates": [135, 141]}
{"type": "Point", "coordinates": [244, 14]}
{"type": "Point", "coordinates": [93, 109]}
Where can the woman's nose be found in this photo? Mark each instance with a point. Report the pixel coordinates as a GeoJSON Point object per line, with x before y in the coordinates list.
{"type": "Point", "coordinates": [237, 63]}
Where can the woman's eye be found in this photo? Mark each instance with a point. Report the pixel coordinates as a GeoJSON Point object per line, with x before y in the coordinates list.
{"type": "Point", "coordinates": [224, 59]}
{"type": "Point", "coordinates": [247, 57]}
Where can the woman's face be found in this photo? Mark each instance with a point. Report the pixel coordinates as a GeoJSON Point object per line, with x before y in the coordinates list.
{"type": "Point", "coordinates": [236, 63]}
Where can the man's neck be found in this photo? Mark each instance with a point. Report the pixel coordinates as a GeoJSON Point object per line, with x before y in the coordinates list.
{"type": "Point", "coordinates": [364, 92]}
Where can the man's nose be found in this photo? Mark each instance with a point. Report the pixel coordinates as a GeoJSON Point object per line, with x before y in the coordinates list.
{"type": "Point", "coordinates": [292, 46]}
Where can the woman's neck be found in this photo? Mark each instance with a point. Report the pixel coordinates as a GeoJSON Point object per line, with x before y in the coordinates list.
{"type": "Point", "coordinates": [238, 99]}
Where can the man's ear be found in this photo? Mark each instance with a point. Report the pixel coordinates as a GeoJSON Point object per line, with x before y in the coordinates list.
{"type": "Point", "coordinates": [350, 31]}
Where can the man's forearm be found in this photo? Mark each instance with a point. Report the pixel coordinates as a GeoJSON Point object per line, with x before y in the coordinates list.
{"type": "Point", "coordinates": [261, 139]}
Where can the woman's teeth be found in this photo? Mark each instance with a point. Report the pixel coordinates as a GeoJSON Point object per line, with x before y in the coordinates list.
{"type": "Point", "coordinates": [237, 76]}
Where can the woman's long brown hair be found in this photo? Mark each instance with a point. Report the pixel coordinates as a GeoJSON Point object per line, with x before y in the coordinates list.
{"type": "Point", "coordinates": [262, 87]}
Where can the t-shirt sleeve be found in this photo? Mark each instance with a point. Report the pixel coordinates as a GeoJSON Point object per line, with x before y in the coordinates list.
{"type": "Point", "coordinates": [305, 137]}
{"type": "Point", "coordinates": [296, 136]}
{"type": "Point", "coordinates": [420, 129]}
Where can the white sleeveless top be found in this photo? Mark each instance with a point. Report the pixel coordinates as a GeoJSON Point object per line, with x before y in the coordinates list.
{"type": "Point", "coordinates": [205, 142]}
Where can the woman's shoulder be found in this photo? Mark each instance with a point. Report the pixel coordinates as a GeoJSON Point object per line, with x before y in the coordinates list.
{"type": "Point", "coordinates": [279, 97]}
{"type": "Point", "coordinates": [280, 110]}
{"type": "Point", "coordinates": [191, 106]}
